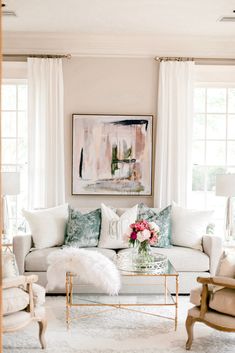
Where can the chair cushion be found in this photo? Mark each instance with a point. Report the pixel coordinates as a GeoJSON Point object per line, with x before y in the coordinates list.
{"type": "Point", "coordinates": [223, 301]}
{"type": "Point", "coordinates": [12, 322]}
{"type": "Point", "coordinates": [214, 317]}
{"type": "Point", "coordinates": [38, 294]}
{"type": "Point", "coordinates": [36, 260]}
{"type": "Point", "coordinates": [14, 299]}
{"type": "Point", "coordinates": [195, 294]}
{"type": "Point", "coordinates": [9, 267]}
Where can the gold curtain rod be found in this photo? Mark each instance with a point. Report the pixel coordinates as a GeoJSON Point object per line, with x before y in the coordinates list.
{"type": "Point", "coordinates": [208, 61]}
{"type": "Point", "coordinates": [169, 58]}
{"type": "Point", "coordinates": [47, 56]}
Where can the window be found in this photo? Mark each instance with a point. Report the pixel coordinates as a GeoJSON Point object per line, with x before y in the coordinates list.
{"type": "Point", "coordinates": [213, 144]}
{"type": "Point", "coordinates": [14, 146]}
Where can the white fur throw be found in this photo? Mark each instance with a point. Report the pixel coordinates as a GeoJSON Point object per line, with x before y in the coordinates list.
{"type": "Point", "coordinates": [90, 266]}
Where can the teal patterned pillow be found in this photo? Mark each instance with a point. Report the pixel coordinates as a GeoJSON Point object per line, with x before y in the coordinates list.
{"type": "Point", "coordinates": [83, 230]}
{"type": "Point", "coordinates": [162, 219]}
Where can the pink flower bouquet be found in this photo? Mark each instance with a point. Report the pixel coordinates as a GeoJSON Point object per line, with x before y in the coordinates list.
{"type": "Point", "coordinates": [143, 232]}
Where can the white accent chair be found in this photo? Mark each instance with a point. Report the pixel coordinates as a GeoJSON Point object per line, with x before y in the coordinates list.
{"type": "Point", "coordinates": [23, 303]}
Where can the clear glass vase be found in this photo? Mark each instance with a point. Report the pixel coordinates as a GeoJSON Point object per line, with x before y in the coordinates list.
{"type": "Point", "coordinates": [142, 255]}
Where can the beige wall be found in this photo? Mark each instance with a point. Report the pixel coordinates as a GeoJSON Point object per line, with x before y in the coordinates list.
{"type": "Point", "coordinates": [103, 86]}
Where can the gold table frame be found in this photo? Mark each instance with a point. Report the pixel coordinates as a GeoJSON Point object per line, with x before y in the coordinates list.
{"type": "Point", "coordinates": [126, 306]}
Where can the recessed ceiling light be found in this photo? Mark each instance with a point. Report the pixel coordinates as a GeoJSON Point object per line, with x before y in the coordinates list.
{"type": "Point", "coordinates": [227, 19]}
{"type": "Point", "coordinates": [9, 13]}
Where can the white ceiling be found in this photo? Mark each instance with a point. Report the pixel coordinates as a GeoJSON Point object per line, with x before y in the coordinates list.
{"type": "Point", "coordinates": [128, 17]}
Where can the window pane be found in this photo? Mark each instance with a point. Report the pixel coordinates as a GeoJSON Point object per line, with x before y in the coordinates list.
{"type": "Point", "coordinates": [199, 100]}
{"type": "Point", "coordinates": [8, 97]}
{"type": "Point", "coordinates": [216, 126]}
{"type": "Point", "coordinates": [22, 124]}
{"type": "Point", "coordinates": [8, 124]}
{"type": "Point", "coordinates": [8, 151]}
{"type": "Point", "coordinates": [199, 126]}
{"type": "Point", "coordinates": [231, 153]}
{"type": "Point", "coordinates": [211, 176]}
{"type": "Point", "coordinates": [215, 153]}
{"type": "Point", "coordinates": [22, 97]}
{"type": "Point", "coordinates": [231, 127]}
{"type": "Point", "coordinates": [22, 151]}
{"type": "Point", "coordinates": [198, 178]}
{"type": "Point", "coordinates": [216, 100]}
{"type": "Point", "coordinates": [198, 200]}
{"type": "Point", "coordinates": [231, 100]}
{"type": "Point", "coordinates": [198, 152]}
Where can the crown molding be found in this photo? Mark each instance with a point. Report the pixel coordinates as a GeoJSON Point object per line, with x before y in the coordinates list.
{"type": "Point", "coordinates": [117, 45]}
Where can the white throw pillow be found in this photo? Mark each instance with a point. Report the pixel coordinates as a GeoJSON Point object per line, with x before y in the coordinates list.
{"type": "Point", "coordinates": [47, 226]}
{"type": "Point", "coordinates": [189, 226]}
{"type": "Point", "coordinates": [113, 227]}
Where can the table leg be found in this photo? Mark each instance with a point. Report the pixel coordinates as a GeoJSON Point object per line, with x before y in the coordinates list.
{"type": "Point", "coordinates": [68, 295]}
{"type": "Point", "coordinates": [176, 300]}
{"type": "Point", "coordinates": [166, 289]}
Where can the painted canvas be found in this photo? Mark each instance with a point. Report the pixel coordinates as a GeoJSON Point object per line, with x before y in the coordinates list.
{"type": "Point", "coordinates": [112, 154]}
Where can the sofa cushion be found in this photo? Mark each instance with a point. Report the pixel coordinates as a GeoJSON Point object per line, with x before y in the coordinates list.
{"type": "Point", "coordinates": [47, 226]}
{"type": "Point", "coordinates": [114, 228]}
{"type": "Point", "coordinates": [36, 260]}
{"type": "Point", "coordinates": [14, 299]}
{"type": "Point", "coordinates": [183, 259]}
{"type": "Point", "coordinates": [162, 219]}
{"type": "Point", "coordinates": [189, 226]}
{"type": "Point", "coordinates": [83, 230]}
{"type": "Point", "coordinates": [223, 301]}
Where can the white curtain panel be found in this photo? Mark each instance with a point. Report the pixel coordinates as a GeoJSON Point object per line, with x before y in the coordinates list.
{"type": "Point", "coordinates": [174, 133]}
{"type": "Point", "coordinates": [46, 132]}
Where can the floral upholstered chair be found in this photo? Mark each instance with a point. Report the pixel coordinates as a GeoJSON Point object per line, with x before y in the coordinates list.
{"type": "Point", "coordinates": [214, 305]}
{"type": "Point", "coordinates": [22, 299]}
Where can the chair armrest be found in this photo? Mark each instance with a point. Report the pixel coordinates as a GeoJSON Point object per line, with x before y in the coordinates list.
{"type": "Point", "coordinates": [218, 281]}
{"type": "Point", "coordinates": [21, 247]}
{"type": "Point", "coordinates": [212, 246]}
{"type": "Point", "coordinates": [18, 281]}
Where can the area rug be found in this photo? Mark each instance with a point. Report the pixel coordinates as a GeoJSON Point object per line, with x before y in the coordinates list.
{"type": "Point", "coordinates": [118, 331]}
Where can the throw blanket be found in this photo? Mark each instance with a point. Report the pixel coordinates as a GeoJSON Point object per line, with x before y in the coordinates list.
{"type": "Point", "coordinates": [90, 266]}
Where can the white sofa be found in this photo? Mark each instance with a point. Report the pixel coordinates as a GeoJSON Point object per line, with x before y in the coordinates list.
{"type": "Point", "coordinates": [188, 262]}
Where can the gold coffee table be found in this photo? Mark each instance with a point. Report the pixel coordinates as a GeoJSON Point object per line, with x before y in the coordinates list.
{"type": "Point", "coordinates": [118, 302]}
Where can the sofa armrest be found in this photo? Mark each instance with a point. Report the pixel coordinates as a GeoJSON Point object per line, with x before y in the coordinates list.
{"type": "Point", "coordinates": [21, 247]}
{"type": "Point", "coordinates": [212, 246]}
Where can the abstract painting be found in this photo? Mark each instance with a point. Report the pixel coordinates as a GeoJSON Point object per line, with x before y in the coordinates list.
{"type": "Point", "coordinates": [112, 154]}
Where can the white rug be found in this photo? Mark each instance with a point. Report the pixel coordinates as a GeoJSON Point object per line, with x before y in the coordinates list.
{"type": "Point", "coordinates": [119, 331]}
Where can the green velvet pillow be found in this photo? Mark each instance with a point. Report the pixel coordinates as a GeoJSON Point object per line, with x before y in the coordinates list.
{"type": "Point", "coordinates": [162, 219]}
{"type": "Point", "coordinates": [83, 230]}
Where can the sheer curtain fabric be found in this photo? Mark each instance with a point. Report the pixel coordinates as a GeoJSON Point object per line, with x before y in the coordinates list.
{"type": "Point", "coordinates": [46, 133]}
{"type": "Point", "coordinates": [174, 133]}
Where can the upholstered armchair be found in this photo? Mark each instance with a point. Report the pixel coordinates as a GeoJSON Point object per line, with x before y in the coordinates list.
{"type": "Point", "coordinates": [23, 303]}
{"type": "Point", "coordinates": [214, 305]}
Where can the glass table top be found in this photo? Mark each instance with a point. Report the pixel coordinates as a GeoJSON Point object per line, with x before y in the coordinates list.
{"type": "Point", "coordinates": [159, 265]}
